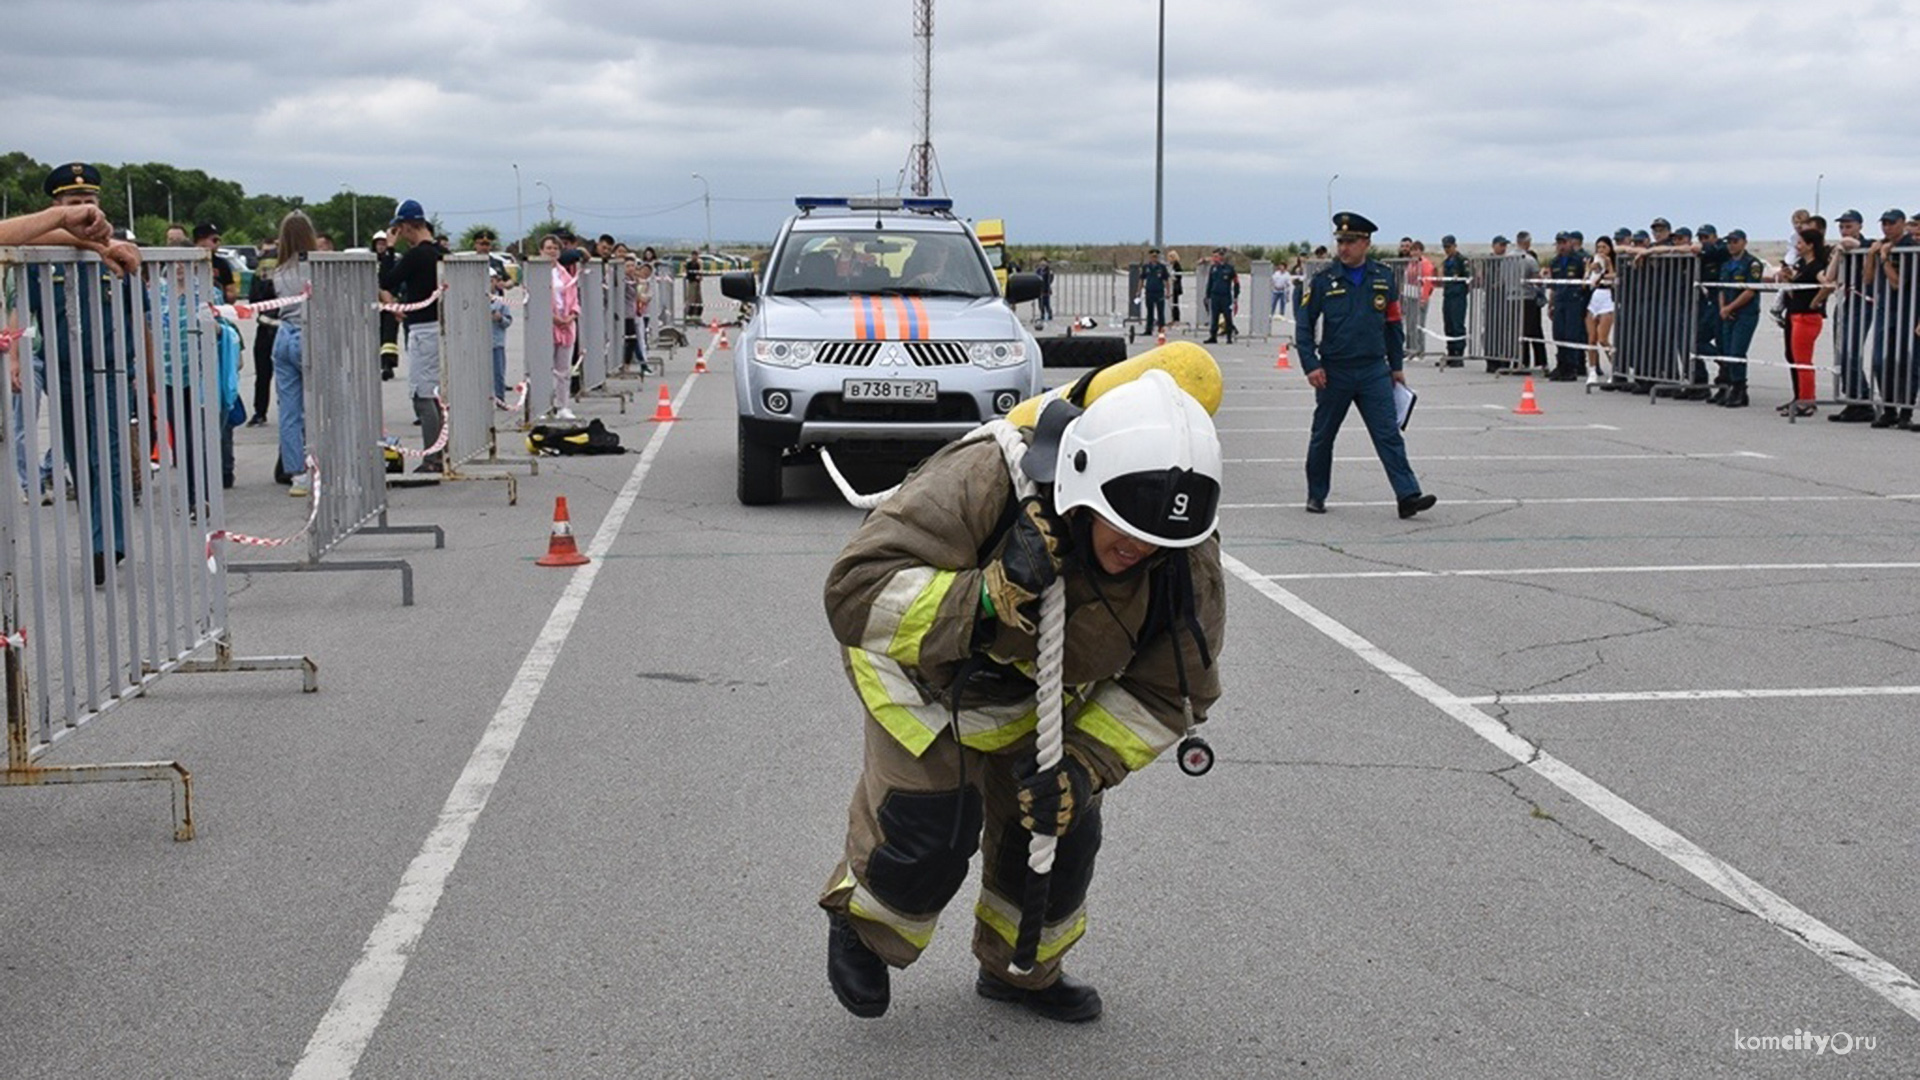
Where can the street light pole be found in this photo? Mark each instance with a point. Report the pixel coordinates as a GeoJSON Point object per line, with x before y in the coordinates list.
{"type": "Point", "coordinates": [707, 198]}
{"type": "Point", "coordinates": [1160, 135]}
{"type": "Point", "coordinates": [354, 197]}
{"type": "Point", "coordinates": [1330, 181]}
{"type": "Point", "coordinates": [168, 188]}
{"type": "Point", "coordinates": [543, 184]}
{"type": "Point", "coordinates": [1816, 191]}
{"type": "Point", "coordinates": [519, 214]}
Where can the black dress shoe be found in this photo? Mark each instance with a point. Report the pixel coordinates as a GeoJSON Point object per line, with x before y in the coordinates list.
{"type": "Point", "coordinates": [1413, 504]}
{"type": "Point", "coordinates": [1886, 419]}
{"type": "Point", "coordinates": [1316, 506]}
{"type": "Point", "coordinates": [100, 567]}
{"type": "Point", "coordinates": [857, 974]}
{"type": "Point", "coordinates": [1736, 397]}
{"type": "Point", "coordinates": [1211, 341]}
{"type": "Point", "coordinates": [1852, 414]}
{"type": "Point", "coordinates": [1068, 1000]}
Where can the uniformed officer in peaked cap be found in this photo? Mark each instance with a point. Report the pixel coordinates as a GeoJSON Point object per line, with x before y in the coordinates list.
{"type": "Point", "coordinates": [74, 178]}
{"type": "Point", "coordinates": [1352, 346]}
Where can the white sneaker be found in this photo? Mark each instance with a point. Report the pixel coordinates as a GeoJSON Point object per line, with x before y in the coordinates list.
{"type": "Point", "coordinates": [1593, 376]}
{"type": "Point", "coordinates": [298, 489]}
{"type": "Point", "coordinates": [565, 414]}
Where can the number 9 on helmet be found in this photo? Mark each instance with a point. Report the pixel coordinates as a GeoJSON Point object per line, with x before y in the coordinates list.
{"type": "Point", "coordinates": [1145, 457]}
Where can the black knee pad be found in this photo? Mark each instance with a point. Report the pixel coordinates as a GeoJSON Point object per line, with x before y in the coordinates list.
{"type": "Point", "coordinates": [1072, 865]}
{"type": "Point", "coordinates": [919, 865]}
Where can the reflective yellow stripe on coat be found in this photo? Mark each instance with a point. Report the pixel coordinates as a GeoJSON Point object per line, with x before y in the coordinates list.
{"type": "Point", "coordinates": [1122, 723]}
{"type": "Point", "coordinates": [903, 612]}
{"type": "Point", "coordinates": [896, 702]}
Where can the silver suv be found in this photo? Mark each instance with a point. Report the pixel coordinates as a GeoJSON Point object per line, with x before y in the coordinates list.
{"type": "Point", "coordinates": [878, 328]}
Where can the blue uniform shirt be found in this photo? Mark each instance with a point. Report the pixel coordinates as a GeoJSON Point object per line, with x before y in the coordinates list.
{"type": "Point", "coordinates": [1223, 281]}
{"type": "Point", "coordinates": [1742, 269]}
{"type": "Point", "coordinates": [1153, 279]}
{"type": "Point", "coordinates": [1455, 266]}
{"type": "Point", "coordinates": [1349, 320]}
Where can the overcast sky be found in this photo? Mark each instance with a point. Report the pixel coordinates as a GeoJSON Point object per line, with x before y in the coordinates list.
{"type": "Point", "coordinates": [1467, 117]}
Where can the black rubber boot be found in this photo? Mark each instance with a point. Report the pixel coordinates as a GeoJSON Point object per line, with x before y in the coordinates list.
{"type": "Point", "coordinates": [1736, 396]}
{"type": "Point", "coordinates": [1068, 1000]}
{"type": "Point", "coordinates": [857, 974]}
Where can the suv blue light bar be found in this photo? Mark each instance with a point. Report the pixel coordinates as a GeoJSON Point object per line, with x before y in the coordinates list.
{"type": "Point", "coordinates": [917, 205]}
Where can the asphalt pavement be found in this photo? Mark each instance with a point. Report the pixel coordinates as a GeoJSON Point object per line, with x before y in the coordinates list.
{"type": "Point", "coordinates": [1600, 768]}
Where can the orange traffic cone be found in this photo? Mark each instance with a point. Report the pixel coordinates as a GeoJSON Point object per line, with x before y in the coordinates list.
{"type": "Point", "coordinates": [1280, 362]}
{"type": "Point", "coordinates": [699, 363]}
{"type": "Point", "coordinates": [722, 343]}
{"type": "Point", "coordinates": [663, 411]}
{"type": "Point", "coordinates": [561, 550]}
{"type": "Point", "coordinates": [1528, 406]}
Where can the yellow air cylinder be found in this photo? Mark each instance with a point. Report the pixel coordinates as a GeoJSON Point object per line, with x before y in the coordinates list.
{"type": "Point", "coordinates": [1191, 366]}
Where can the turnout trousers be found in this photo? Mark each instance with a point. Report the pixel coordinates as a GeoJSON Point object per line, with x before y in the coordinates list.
{"type": "Point", "coordinates": [1369, 386]}
{"type": "Point", "coordinates": [914, 824]}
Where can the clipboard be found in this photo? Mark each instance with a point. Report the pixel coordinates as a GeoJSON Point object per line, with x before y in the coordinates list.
{"type": "Point", "coordinates": [1404, 400]}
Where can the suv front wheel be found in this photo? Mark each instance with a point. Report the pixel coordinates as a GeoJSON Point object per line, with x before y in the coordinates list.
{"type": "Point", "coordinates": [758, 477]}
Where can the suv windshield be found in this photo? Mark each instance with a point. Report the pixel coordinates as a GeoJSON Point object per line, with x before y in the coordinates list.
{"type": "Point", "coordinates": [855, 261]}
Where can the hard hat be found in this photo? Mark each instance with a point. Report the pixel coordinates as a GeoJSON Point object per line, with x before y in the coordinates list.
{"type": "Point", "coordinates": [1145, 457]}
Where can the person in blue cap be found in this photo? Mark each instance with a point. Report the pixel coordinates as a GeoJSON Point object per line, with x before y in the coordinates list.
{"type": "Point", "coordinates": [1454, 273]}
{"type": "Point", "coordinates": [1352, 347]}
{"type": "Point", "coordinates": [414, 278]}
{"type": "Point", "coordinates": [1739, 310]}
{"type": "Point", "coordinates": [1893, 335]}
{"type": "Point", "coordinates": [1568, 311]}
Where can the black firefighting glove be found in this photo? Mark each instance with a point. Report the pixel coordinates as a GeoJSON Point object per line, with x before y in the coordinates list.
{"type": "Point", "coordinates": [1027, 561]}
{"type": "Point", "coordinates": [1054, 804]}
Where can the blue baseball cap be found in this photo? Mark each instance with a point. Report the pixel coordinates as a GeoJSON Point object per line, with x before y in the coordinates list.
{"type": "Point", "coordinates": [1707, 230]}
{"type": "Point", "coordinates": [1683, 232]}
{"type": "Point", "coordinates": [1736, 234]}
{"type": "Point", "coordinates": [1851, 215]}
{"type": "Point", "coordinates": [1576, 234]}
{"type": "Point", "coordinates": [1893, 215]}
{"type": "Point", "coordinates": [408, 210]}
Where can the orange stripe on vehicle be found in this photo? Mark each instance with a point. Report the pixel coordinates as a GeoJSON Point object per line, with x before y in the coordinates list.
{"type": "Point", "coordinates": [908, 332]}
{"type": "Point", "coordinates": [926, 324]}
{"type": "Point", "coordinates": [880, 316]}
{"type": "Point", "coordinates": [859, 317]}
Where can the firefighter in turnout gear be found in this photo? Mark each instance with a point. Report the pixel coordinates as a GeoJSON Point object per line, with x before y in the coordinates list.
{"type": "Point", "coordinates": [936, 601]}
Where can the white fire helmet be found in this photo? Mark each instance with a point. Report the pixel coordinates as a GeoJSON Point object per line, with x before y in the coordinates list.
{"type": "Point", "coordinates": [1145, 457]}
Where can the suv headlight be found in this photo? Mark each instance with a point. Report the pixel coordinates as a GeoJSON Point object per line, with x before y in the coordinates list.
{"type": "Point", "coordinates": [997, 354]}
{"type": "Point", "coordinates": [788, 354]}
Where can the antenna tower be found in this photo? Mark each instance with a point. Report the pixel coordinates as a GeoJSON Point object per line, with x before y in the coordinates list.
{"type": "Point", "coordinates": [920, 158]}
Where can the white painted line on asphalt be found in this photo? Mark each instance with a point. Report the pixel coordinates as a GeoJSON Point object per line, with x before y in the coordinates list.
{"type": "Point", "coordinates": [1876, 974]}
{"type": "Point", "coordinates": [1543, 571]}
{"type": "Point", "coordinates": [362, 1000]}
{"type": "Point", "coordinates": [1515, 457]}
{"type": "Point", "coordinates": [1692, 695]}
{"type": "Point", "coordinates": [1605, 499]}
{"type": "Point", "coordinates": [1476, 427]}
{"type": "Point", "coordinates": [1424, 409]}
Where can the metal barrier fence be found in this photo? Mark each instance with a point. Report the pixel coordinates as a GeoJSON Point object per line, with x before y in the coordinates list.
{"type": "Point", "coordinates": [1259, 299]}
{"type": "Point", "coordinates": [1496, 307]}
{"type": "Point", "coordinates": [466, 371]}
{"type": "Point", "coordinates": [592, 363]}
{"type": "Point", "coordinates": [341, 394]}
{"type": "Point", "coordinates": [1413, 312]}
{"type": "Point", "coordinates": [1656, 317]}
{"type": "Point", "coordinates": [101, 597]}
{"type": "Point", "coordinates": [1089, 290]}
{"type": "Point", "coordinates": [1877, 331]}
{"type": "Point", "coordinates": [536, 329]}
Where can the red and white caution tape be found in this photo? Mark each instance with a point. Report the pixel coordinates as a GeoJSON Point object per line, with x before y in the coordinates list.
{"type": "Point", "coordinates": [521, 400]}
{"type": "Point", "coordinates": [249, 310]}
{"type": "Point", "coordinates": [438, 444]}
{"type": "Point", "coordinates": [313, 514]}
{"type": "Point", "coordinates": [401, 309]}
{"type": "Point", "coordinates": [9, 336]}
{"type": "Point", "coordinates": [15, 641]}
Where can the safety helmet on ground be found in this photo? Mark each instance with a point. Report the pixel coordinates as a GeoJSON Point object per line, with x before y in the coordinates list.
{"type": "Point", "coordinates": [1145, 457]}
